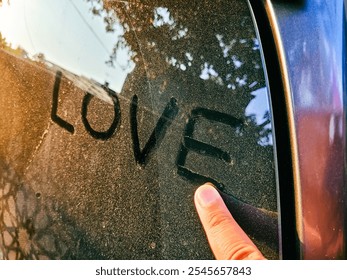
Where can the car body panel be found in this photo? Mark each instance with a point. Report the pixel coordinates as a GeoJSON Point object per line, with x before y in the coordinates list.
{"type": "Point", "coordinates": [312, 38]}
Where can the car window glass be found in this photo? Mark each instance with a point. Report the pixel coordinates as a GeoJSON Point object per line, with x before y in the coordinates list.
{"type": "Point", "coordinates": [113, 112]}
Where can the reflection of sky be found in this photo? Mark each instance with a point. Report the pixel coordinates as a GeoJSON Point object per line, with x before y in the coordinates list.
{"type": "Point", "coordinates": [67, 34]}
{"type": "Point", "coordinates": [258, 108]}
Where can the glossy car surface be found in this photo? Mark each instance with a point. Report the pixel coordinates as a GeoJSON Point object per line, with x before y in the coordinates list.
{"type": "Point", "coordinates": [310, 41]}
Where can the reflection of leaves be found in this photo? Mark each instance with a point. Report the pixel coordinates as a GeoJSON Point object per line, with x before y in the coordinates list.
{"type": "Point", "coordinates": [3, 43]}
{"type": "Point", "coordinates": [261, 132]}
{"type": "Point", "coordinates": [168, 35]}
{"type": "Point", "coordinates": [8, 47]}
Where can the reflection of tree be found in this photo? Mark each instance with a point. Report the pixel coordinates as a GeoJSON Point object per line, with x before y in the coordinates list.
{"type": "Point", "coordinates": [192, 38]}
{"type": "Point", "coordinates": [168, 33]}
{"type": "Point", "coordinates": [3, 43]}
{"type": "Point", "coordinates": [8, 47]}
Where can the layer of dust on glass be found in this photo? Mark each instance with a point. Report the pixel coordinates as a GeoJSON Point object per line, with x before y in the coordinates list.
{"type": "Point", "coordinates": [113, 113]}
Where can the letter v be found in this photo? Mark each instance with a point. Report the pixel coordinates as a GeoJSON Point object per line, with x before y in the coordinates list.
{"type": "Point", "coordinates": [165, 120]}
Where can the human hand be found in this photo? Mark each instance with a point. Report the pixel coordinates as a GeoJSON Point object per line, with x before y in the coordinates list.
{"type": "Point", "coordinates": [226, 238]}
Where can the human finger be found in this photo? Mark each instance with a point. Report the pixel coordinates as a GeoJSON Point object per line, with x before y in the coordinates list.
{"type": "Point", "coordinates": [226, 238]}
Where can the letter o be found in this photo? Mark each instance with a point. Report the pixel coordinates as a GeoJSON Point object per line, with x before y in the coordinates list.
{"type": "Point", "coordinates": [102, 135]}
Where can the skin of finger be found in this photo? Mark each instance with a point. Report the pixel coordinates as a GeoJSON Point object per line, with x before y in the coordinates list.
{"type": "Point", "coordinates": [226, 238]}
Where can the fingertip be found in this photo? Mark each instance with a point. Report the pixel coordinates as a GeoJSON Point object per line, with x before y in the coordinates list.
{"type": "Point", "coordinates": [206, 195]}
{"type": "Point", "coordinates": [226, 238]}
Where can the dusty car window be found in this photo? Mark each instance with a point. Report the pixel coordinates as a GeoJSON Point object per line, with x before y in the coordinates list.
{"type": "Point", "coordinates": [113, 112]}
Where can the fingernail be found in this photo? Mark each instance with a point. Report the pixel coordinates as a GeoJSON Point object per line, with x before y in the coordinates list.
{"type": "Point", "coordinates": [207, 195]}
